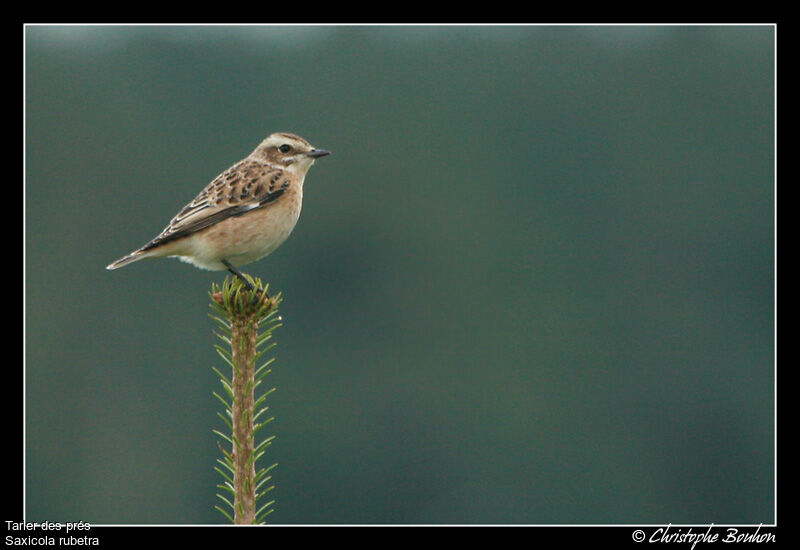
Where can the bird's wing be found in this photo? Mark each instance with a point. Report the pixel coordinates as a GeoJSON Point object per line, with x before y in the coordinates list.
{"type": "Point", "coordinates": [243, 187]}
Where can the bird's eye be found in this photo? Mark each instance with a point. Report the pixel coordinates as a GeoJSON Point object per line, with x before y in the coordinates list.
{"type": "Point", "coordinates": [285, 148]}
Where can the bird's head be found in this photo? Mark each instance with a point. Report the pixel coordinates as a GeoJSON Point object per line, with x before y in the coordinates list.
{"type": "Point", "coordinates": [288, 151]}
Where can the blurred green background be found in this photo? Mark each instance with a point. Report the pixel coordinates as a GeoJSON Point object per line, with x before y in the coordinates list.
{"type": "Point", "coordinates": [533, 284]}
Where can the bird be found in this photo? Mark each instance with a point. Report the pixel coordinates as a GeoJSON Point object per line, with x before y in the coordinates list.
{"type": "Point", "coordinates": [243, 215]}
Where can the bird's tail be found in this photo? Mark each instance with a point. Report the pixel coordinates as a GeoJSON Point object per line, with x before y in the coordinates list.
{"type": "Point", "coordinates": [130, 258]}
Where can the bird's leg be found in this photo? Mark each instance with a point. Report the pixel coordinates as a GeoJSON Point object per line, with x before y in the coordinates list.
{"type": "Point", "coordinates": [238, 273]}
{"type": "Point", "coordinates": [242, 278]}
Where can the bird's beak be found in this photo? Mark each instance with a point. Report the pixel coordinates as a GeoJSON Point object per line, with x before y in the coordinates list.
{"type": "Point", "coordinates": [316, 153]}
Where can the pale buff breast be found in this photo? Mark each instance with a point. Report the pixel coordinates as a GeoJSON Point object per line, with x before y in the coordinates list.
{"type": "Point", "coordinates": [243, 239]}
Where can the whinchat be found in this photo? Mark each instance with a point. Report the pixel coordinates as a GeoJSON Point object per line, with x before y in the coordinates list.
{"type": "Point", "coordinates": [244, 214]}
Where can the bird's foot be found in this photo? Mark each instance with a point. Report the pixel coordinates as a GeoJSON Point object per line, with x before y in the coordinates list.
{"type": "Point", "coordinates": [259, 295]}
